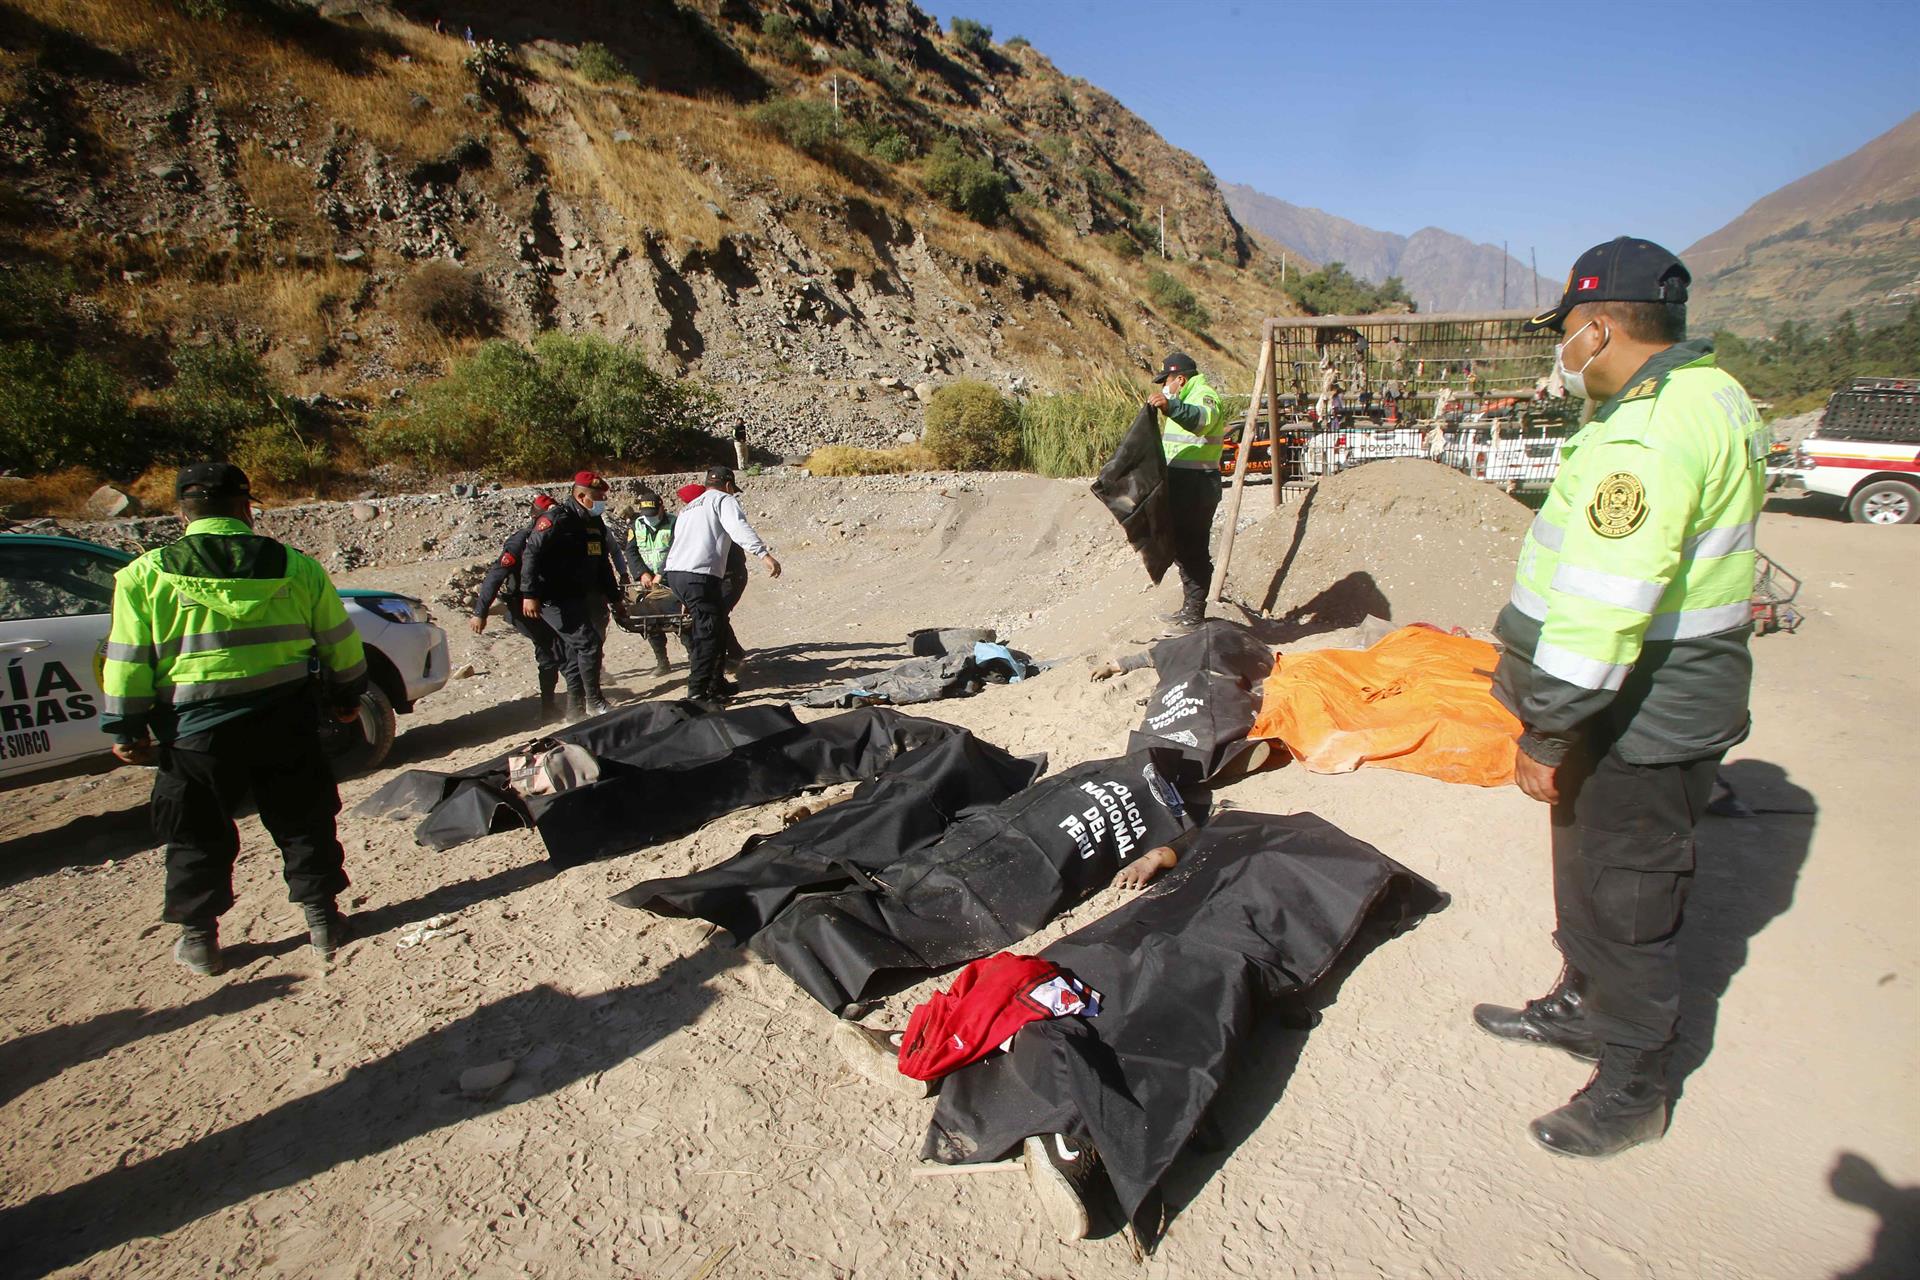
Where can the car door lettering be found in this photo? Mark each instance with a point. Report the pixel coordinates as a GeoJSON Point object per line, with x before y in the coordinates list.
{"type": "Point", "coordinates": [43, 705]}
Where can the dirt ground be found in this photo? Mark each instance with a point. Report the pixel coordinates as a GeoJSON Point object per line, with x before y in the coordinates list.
{"type": "Point", "coordinates": [676, 1109]}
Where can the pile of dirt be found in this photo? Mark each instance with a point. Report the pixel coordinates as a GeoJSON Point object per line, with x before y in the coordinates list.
{"type": "Point", "coordinates": [1405, 539]}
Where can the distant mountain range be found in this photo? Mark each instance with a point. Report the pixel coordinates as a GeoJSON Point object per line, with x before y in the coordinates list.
{"type": "Point", "coordinates": [1442, 271]}
{"type": "Point", "coordinates": [1846, 237]}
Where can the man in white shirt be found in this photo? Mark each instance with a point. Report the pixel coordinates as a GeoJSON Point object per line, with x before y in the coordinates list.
{"type": "Point", "coordinates": [703, 533]}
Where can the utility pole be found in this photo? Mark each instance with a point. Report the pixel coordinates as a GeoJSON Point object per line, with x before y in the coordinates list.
{"type": "Point", "coordinates": [836, 104]}
{"type": "Point", "coordinates": [1534, 263]}
{"type": "Point", "coordinates": [1503, 275]}
{"type": "Point", "coordinates": [1163, 233]}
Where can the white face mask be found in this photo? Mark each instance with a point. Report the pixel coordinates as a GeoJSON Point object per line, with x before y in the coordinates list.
{"type": "Point", "coordinates": [1576, 379]}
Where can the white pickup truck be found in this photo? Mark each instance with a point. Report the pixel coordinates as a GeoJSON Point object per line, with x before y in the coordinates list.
{"type": "Point", "coordinates": [1866, 451]}
{"type": "Point", "coordinates": [56, 600]}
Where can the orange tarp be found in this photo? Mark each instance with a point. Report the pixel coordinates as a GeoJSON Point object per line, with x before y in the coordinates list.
{"type": "Point", "coordinates": [1420, 700]}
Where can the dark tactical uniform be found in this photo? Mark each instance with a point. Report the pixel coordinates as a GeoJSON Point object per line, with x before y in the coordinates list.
{"type": "Point", "coordinates": [503, 583]}
{"type": "Point", "coordinates": [568, 568]}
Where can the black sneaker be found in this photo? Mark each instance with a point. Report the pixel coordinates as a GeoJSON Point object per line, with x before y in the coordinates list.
{"type": "Point", "coordinates": [326, 928]}
{"type": "Point", "coordinates": [1062, 1172]}
{"type": "Point", "coordinates": [198, 949]}
{"type": "Point", "coordinates": [875, 1054]}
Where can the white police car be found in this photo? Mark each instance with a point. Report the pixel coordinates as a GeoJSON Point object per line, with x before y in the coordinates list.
{"type": "Point", "coordinates": [56, 601]}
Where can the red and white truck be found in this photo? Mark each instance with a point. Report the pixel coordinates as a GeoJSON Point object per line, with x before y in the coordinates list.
{"type": "Point", "coordinates": [1866, 451]}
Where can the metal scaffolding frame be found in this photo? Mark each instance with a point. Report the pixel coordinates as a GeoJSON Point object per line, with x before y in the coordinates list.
{"type": "Point", "coordinates": [1472, 390]}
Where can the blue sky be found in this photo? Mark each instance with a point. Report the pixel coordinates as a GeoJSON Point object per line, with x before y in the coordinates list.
{"type": "Point", "coordinates": [1551, 125]}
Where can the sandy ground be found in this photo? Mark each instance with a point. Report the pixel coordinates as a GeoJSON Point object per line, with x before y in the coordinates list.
{"type": "Point", "coordinates": [676, 1109]}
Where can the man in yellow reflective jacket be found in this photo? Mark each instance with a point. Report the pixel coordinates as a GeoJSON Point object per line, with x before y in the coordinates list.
{"type": "Point", "coordinates": [1191, 435]}
{"type": "Point", "coordinates": [1626, 662]}
{"type": "Point", "coordinates": [218, 645]}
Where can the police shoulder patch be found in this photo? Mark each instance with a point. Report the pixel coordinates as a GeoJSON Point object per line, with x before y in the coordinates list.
{"type": "Point", "coordinates": [543, 524]}
{"type": "Point", "coordinates": [1643, 390]}
{"type": "Point", "coordinates": [506, 558]}
{"type": "Point", "coordinates": [1619, 505]}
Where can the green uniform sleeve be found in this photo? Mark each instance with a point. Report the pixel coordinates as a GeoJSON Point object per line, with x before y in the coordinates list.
{"type": "Point", "coordinates": [1625, 540]}
{"type": "Point", "coordinates": [127, 671]}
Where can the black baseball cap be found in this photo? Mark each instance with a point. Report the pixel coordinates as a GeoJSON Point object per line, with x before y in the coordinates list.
{"type": "Point", "coordinates": [1621, 270]}
{"type": "Point", "coordinates": [212, 480]}
{"type": "Point", "coordinates": [719, 477]}
{"type": "Point", "coordinates": [1176, 362]}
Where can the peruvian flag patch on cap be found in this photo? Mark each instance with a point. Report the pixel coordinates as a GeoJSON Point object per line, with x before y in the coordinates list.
{"type": "Point", "coordinates": [1586, 283]}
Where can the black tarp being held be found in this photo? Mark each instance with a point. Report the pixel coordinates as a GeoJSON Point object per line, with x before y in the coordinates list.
{"type": "Point", "coordinates": [659, 785]}
{"type": "Point", "coordinates": [991, 880]}
{"type": "Point", "coordinates": [1133, 485]}
{"type": "Point", "coordinates": [920, 794]}
{"type": "Point", "coordinates": [1259, 907]}
{"type": "Point", "coordinates": [1208, 698]}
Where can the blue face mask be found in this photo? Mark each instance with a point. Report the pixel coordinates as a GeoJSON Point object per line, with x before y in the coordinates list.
{"type": "Point", "coordinates": [599, 507]}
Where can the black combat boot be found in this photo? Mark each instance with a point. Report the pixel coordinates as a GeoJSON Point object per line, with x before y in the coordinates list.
{"type": "Point", "coordinates": [1557, 1019]}
{"type": "Point", "coordinates": [326, 928]}
{"type": "Point", "coordinates": [595, 703]}
{"type": "Point", "coordinates": [1623, 1105]}
{"type": "Point", "coordinates": [661, 666]}
{"type": "Point", "coordinates": [549, 703]}
{"type": "Point", "coordinates": [198, 948]}
{"type": "Point", "coordinates": [1193, 606]}
{"type": "Point", "coordinates": [576, 699]}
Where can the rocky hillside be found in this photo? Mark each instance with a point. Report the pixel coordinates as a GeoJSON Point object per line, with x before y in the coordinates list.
{"type": "Point", "coordinates": [1442, 271]}
{"type": "Point", "coordinates": [751, 192]}
{"type": "Point", "coordinates": [1844, 238]}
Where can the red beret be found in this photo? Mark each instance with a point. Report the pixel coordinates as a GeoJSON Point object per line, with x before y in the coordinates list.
{"type": "Point", "coordinates": [587, 479]}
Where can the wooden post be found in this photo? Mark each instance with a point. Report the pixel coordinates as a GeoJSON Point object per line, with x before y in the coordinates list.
{"type": "Point", "coordinates": [1242, 461]}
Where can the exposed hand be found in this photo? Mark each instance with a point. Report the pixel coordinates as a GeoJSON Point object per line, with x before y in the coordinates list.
{"type": "Point", "coordinates": [529, 608]}
{"type": "Point", "coordinates": [646, 581]}
{"type": "Point", "coordinates": [1105, 671]}
{"type": "Point", "coordinates": [140, 752]}
{"type": "Point", "coordinates": [1539, 781]}
{"type": "Point", "coordinates": [1144, 868]}
{"type": "Point", "coordinates": [1158, 399]}
{"type": "Point", "coordinates": [773, 566]}
{"type": "Point", "coordinates": [477, 623]}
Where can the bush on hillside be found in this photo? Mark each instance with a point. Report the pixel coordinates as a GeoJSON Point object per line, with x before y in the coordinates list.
{"type": "Point", "coordinates": [218, 392]}
{"type": "Point", "coordinates": [599, 64]}
{"type": "Point", "coordinates": [280, 455]}
{"type": "Point", "coordinates": [1177, 301]}
{"type": "Point", "coordinates": [568, 398]}
{"type": "Point", "coordinates": [783, 39]}
{"type": "Point", "coordinates": [975, 37]}
{"type": "Point", "coordinates": [1019, 42]}
{"type": "Point", "coordinates": [805, 124]}
{"type": "Point", "coordinates": [972, 427]}
{"type": "Point", "coordinates": [1335, 291]}
{"type": "Point", "coordinates": [1122, 244]}
{"type": "Point", "coordinates": [884, 142]}
{"type": "Point", "coordinates": [451, 300]}
{"type": "Point", "coordinates": [1073, 433]}
{"type": "Point", "coordinates": [967, 184]}
{"type": "Point", "coordinates": [849, 460]}
{"type": "Point", "coordinates": [62, 411]}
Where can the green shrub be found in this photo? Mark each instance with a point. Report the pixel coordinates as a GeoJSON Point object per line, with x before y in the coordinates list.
{"type": "Point", "coordinates": [598, 63]}
{"type": "Point", "coordinates": [62, 411]}
{"type": "Point", "coordinates": [805, 124]}
{"type": "Point", "coordinates": [1121, 243]}
{"type": "Point", "coordinates": [975, 37]}
{"type": "Point", "coordinates": [218, 392]}
{"type": "Point", "coordinates": [784, 40]}
{"type": "Point", "coordinates": [279, 454]}
{"type": "Point", "coordinates": [876, 69]}
{"type": "Point", "coordinates": [1335, 291]}
{"type": "Point", "coordinates": [1073, 433]}
{"type": "Point", "coordinates": [972, 427]}
{"type": "Point", "coordinates": [567, 400]}
{"type": "Point", "coordinates": [1019, 42]}
{"type": "Point", "coordinates": [1177, 301]}
{"type": "Point", "coordinates": [33, 302]}
{"type": "Point", "coordinates": [967, 184]}
{"type": "Point", "coordinates": [884, 142]}
{"type": "Point", "coordinates": [451, 300]}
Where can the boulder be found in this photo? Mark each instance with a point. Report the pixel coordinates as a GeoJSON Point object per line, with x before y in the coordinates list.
{"type": "Point", "coordinates": [108, 503]}
{"type": "Point", "coordinates": [364, 513]}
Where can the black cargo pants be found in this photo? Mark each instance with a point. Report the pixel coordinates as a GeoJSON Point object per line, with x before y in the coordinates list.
{"type": "Point", "coordinates": [1623, 856]}
{"type": "Point", "coordinates": [274, 755]}
{"type": "Point", "coordinates": [1192, 495]}
{"type": "Point", "coordinates": [580, 623]}
{"type": "Point", "coordinates": [707, 632]}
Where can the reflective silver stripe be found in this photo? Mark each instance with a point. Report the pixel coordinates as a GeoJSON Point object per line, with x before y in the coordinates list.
{"type": "Point", "coordinates": [202, 691]}
{"type": "Point", "coordinates": [1720, 542]}
{"type": "Point", "coordinates": [351, 673]}
{"type": "Point", "coordinates": [1691, 624]}
{"type": "Point", "coordinates": [334, 635]}
{"type": "Point", "coordinates": [1588, 673]}
{"type": "Point", "coordinates": [136, 653]}
{"type": "Point", "coordinates": [128, 706]}
{"type": "Point", "coordinates": [209, 641]}
{"type": "Point", "coordinates": [1529, 602]}
{"type": "Point", "coordinates": [1636, 594]}
{"type": "Point", "coordinates": [1550, 536]}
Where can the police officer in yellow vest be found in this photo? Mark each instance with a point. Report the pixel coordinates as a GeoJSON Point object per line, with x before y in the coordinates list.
{"type": "Point", "coordinates": [220, 646]}
{"type": "Point", "coordinates": [1626, 661]}
{"type": "Point", "coordinates": [1191, 432]}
